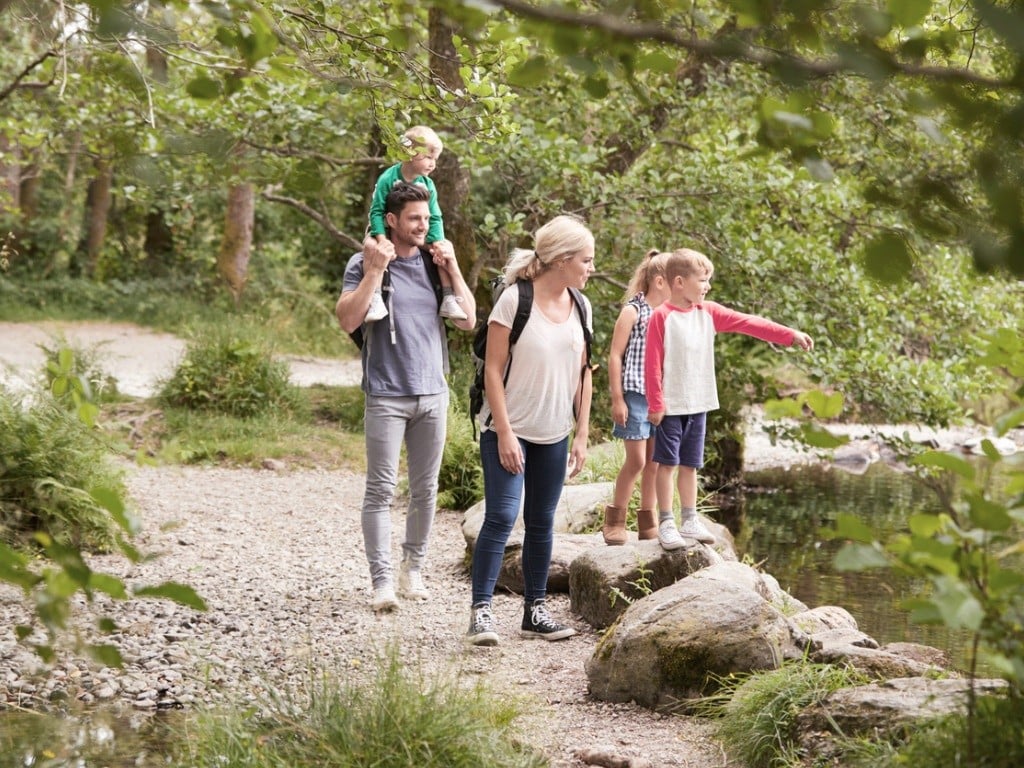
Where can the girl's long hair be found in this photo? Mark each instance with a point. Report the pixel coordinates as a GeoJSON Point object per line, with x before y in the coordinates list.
{"type": "Point", "coordinates": [652, 265]}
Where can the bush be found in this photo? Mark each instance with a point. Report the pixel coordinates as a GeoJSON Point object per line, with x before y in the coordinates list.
{"type": "Point", "coordinates": [401, 718]}
{"type": "Point", "coordinates": [228, 372]}
{"type": "Point", "coordinates": [461, 479]}
{"type": "Point", "coordinates": [49, 460]}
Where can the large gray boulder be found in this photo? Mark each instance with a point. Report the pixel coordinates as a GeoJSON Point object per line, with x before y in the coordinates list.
{"type": "Point", "coordinates": [884, 709]}
{"type": "Point", "coordinates": [604, 581]}
{"type": "Point", "coordinates": [668, 647]}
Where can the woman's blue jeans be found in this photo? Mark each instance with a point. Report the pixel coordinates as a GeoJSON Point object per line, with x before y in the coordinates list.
{"type": "Point", "coordinates": [538, 490]}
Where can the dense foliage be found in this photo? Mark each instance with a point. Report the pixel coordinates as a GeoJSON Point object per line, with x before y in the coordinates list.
{"type": "Point", "coordinates": [817, 183]}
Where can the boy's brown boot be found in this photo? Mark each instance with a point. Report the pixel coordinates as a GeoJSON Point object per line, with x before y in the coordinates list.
{"type": "Point", "coordinates": [614, 529]}
{"type": "Point", "coordinates": [647, 524]}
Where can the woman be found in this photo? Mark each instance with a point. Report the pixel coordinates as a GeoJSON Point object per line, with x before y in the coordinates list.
{"type": "Point", "coordinates": [530, 412]}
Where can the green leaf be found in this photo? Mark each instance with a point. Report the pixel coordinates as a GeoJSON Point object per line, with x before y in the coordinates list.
{"type": "Point", "coordinates": [819, 437]}
{"type": "Point", "coordinates": [925, 525]}
{"type": "Point", "coordinates": [530, 73]}
{"type": "Point", "coordinates": [850, 527]}
{"type": "Point", "coordinates": [203, 87]}
{"type": "Point", "coordinates": [112, 585]}
{"type": "Point", "coordinates": [107, 655]}
{"type": "Point", "coordinates": [596, 87]}
{"type": "Point", "coordinates": [909, 13]}
{"type": "Point", "coordinates": [788, 408]}
{"type": "Point", "coordinates": [942, 460]}
{"type": "Point", "coordinates": [860, 557]}
{"type": "Point", "coordinates": [989, 515]}
{"type": "Point", "coordinates": [824, 405]}
{"type": "Point", "coordinates": [958, 607]}
{"type": "Point", "coordinates": [888, 259]}
{"type": "Point", "coordinates": [179, 593]}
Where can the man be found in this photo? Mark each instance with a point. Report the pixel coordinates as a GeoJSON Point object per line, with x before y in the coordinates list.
{"type": "Point", "coordinates": [405, 358]}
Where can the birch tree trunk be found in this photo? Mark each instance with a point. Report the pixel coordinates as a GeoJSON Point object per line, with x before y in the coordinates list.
{"type": "Point", "coordinates": [236, 245]}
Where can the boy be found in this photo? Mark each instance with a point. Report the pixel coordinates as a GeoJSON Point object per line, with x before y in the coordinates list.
{"type": "Point", "coordinates": [679, 370]}
{"type": "Point", "coordinates": [424, 147]}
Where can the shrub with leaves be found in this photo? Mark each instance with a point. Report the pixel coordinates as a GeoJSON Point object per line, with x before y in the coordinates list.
{"type": "Point", "coordinates": [60, 497]}
{"type": "Point", "coordinates": [229, 373]}
{"type": "Point", "coordinates": [48, 458]}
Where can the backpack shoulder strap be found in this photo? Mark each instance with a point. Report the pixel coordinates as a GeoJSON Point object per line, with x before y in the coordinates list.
{"type": "Point", "coordinates": [581, 309]}
{"type": "Point", "coordinates": [522, 310]}
{"type": "Point", "coordinates": [432, 273]}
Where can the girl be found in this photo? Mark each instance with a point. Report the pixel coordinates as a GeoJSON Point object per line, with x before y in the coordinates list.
{"type": "Point", "coordinates": [646, 290]}
{"type": "Point", "coordinates": [528, 417]}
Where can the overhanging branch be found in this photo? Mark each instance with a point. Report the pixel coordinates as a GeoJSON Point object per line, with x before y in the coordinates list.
{"type": "Point", "coordinates": [618, 27]}
{"type": "Point", "coordinates": [320, 218]}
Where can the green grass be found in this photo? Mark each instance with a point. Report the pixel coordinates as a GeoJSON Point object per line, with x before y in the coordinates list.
{"type": "Point", "coordinates": [400, 718]}
{"type": "Point", "coordinates": [757, 712]}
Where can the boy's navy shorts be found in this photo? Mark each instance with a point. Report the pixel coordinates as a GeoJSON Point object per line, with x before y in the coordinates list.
{"type": "Point", "coordinates": [679, 440]}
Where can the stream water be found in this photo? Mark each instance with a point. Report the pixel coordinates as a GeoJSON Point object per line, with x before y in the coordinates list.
{"type": "Point", "coordinates": [780, 526]}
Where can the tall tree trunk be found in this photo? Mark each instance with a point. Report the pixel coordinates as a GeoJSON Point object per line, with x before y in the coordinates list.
{"type": "Point", "coordinates": [159, 242]}
{"type": "Point", "coordinates": [98, 199]}
{"type": "Point", "coordinates": [451, 179]}
{"type": "Point", "coordinates": [10, 179]}
{"type": "Point", "coordinates": [236, 245]}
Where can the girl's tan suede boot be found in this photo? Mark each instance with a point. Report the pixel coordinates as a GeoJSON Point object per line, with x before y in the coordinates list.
{"type": "Point", "coordinates": [647, 524]}
{"type": "Point", "coordinates": [614, 528]}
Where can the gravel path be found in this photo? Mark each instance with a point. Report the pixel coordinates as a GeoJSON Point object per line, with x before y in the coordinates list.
{"type": "Point", "coordinates": [278, 557]}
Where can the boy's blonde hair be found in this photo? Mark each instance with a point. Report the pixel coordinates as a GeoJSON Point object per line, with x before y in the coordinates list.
{"type": "Point", "coordinates": [684, 262]}
{"type": "Point", "coordinates": [558, 240]}
{"type": "Point", "coordinates": [420, 137]}
{"type": "Point", "coordinates": [652, 266]}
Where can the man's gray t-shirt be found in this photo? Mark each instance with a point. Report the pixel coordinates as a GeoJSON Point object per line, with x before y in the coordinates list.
{"type": "Point", "coordinates": [415, 363]}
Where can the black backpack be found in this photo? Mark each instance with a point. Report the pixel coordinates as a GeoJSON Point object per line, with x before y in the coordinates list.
{"type": "Point", "coordinates": [476, 389]}
{"type": "Point", "coordinates": [385, 287]}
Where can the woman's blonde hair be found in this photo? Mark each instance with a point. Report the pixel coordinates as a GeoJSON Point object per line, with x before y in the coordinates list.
{"type": "Point", "coordinates": [652, 266]}
{"type": "Point", "coordinates": [558, 240]}
{"type": "Point", "coordinates": [684, 262]}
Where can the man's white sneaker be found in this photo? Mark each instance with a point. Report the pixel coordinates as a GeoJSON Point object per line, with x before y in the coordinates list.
{"type": "Point", "coordinates": [694, 528]}
{"type": "Point", "coordinates": [410, 584]}
{"type": "Point", "coordinates": [378, 309]}
{"type": "Point", "coordinates": [450, 308]}
{"type": "Point", "coordinates": [669, 536]}
{"type": "Point", "coordinates": [384, 600]}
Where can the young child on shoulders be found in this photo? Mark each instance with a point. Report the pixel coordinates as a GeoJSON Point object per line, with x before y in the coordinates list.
{"type": "Point", "coordinates": [424, 147]}
{"type": "Point", "coordinates": [679, 368]}
{"type": "Point", "coordinates": [647, 289]}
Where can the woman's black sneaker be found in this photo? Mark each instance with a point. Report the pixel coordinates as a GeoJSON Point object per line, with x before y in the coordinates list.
{"type": "Point", "coordinates": [537, 622]}
{"type": "Point", "coordinates": [481, 626]}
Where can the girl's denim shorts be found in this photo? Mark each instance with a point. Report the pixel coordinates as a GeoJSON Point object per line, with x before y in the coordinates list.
{"type": "Point", "coordinates": [637, 426]}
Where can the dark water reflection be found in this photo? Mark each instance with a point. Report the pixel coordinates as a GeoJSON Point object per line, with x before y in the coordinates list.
{"type": "Point", "coordinates": [780, 522]}
{"type": "Point", "coordinates": [94, 737]}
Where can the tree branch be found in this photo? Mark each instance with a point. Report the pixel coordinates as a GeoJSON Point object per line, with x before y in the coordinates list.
{"type": "Point", "coordinates": [737, 49]}
{"type": "Point", "coordinates": [315, 215]}
{"type": "Point", "coordinates": [16, 83]}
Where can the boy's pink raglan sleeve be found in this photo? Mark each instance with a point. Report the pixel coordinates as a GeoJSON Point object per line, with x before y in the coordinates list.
{"type": "Point", "coordinates": [730, 321]}
{"type": "Point", "coordinates": [654, 358]}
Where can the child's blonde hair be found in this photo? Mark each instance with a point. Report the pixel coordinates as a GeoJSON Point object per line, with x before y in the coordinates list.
{"type": "Point", "coordinates": [684, 262]}
{"type": "Point", "coordinates": [558, 240]}
{"type": "Point", "coordinates": [419, 138]}
{"type": "Point", "coordinates": [652, 266]}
